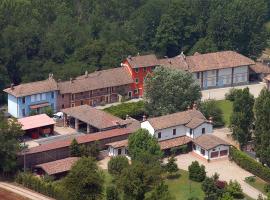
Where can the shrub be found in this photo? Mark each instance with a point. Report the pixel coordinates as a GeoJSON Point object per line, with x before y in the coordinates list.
{"type": "Point", "coordinates": [112, 193]}
{"type": "Point", "coordinates": [231, 94]}
{"type": "Point", "coordinates": [47, 188]}
{"type": "Point", "coordinates": [117, 164]}
{"type": "Point", "coordinates": [267, 188]}
{"type": "Point", "coordinates": [134, 109]}
{"type": "Point", "coordinates": [196, 172]}
{"type": "Point", "coordinates": [235, 190]}
{"type": "Point", "coordinates": [249, 164]}
{"type": "Point", "coordinates": [172, 168]}
{"type": "Point", "coordinates": [250, 179]}
{"type": "Point", "coordinates": [210, 109]}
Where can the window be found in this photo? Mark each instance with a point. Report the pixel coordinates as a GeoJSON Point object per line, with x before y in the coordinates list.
{"type": "Point", "coordinates": [144, 69]}
{"type": "Point", "coordinates": [38, 97]}
{"type": "Point", "coordinates": [52, 105]}
{"type": "Point", "coordinates": [81, 102]}
{"type": "Point", "coordinates": [119, 152]}
{"type": "Point", "coordinates": [174, 131]}
{"type": "Point", "coordinates": [153, 68]}
{"type": "Point", "coordinates": [63, 106]}
{"type": "Point", "coordinates": [81, 93]}
{"type": "Point", "coordinates": [136, 70]}
{"type": "Point", "coordinates": [190, 131]}
{"type": "Point", "coordinates": [198, 75]}
{"type": "Point", "coordinates": [72, 97]}
{"type": "Point", "coordinates": [203, 130]}
{"type": "Point", "coordinates": [136, 91]}
{"type": "Point", "coordinates": [23, 100]}
{"type": "Point", "coordinates": [33, 98]}
{"type": "Point", "coordinates": [159, 134]}
{"type": "Point", "coordinates": [23, 112]}
{"type": "Point", "coordinates": [202, 151]}
{"type": "Point", "coordinates": [52, 95]}
{"type": "Point", "coordinates": [194, 147]}
{"type": "Point", "coordinates": [63, 96]}
{"type": "Point", "coordinates": [136, 80]}
{"type": "Point", "coordinates": [43, 96]}
{"type": "Point", "coordinates": [72, 105]}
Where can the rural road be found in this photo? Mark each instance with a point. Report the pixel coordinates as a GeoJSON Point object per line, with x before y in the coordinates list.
{"type": "Point", "coordinates": [23, 192]}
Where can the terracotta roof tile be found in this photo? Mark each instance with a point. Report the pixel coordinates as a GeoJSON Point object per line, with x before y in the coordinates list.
{"type": "Point", "coordinates": [195, 122]}
{"type": "Point", "coordinates": [260, 68]}
{"type": "Point", "coordinates": [118, 144]}
{"type": "Point", "coordinates": [209, 141]}
{"type": "Point", "coordinates": [100, 79]}
{"type": "Point", "coordinates": [35, 121]}
{"type": "Point", "coordinates": [175, 142]}
{"type": "Point", "coordinates": [217, 60]}
{"type": "Point", "coordinates": [87, 138]}
{"type": "Point", "coordinates": [27, 89]}
{"type": "Point", "coordinates": [175, 119]}
{"type": "Point", "coordinates": [143, 61]}
{"type": "Point", "coordinates": [177, 62]}
{"type": "Point", "coordinates": [95, 117]}
{"type": "Point", "coordinates": [58, 166]}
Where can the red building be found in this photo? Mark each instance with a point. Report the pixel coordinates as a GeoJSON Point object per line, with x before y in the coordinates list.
{"type": "Point", "coordinates": [139, 67]}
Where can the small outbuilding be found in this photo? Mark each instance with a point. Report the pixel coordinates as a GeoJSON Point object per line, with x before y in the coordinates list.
{"type": "Point", "coordinates": [210, 147]}
{"type": "Point", "coordinates": [118, 148]}
{"type": "Point", "coordinates": [57, 169]}
{"type": "Point", "coordinates": [37, 125]}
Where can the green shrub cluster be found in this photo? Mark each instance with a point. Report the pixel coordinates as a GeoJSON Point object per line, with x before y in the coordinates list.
{"type": "Point", "coordinates": [196, 171]}
{"type": "Point", "coordinates": [249, 164]}
{"type": "Point", "coordinates": [232, 94]}
{"type": "Point", "coordinates": [134, 109]}
{"type": "Point", "coordinates": [50, 189]}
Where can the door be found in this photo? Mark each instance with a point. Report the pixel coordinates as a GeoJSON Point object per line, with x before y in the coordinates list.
{"type": "Point", "coordinates": [223, 153]}
{"type": "Point", "coordinates": [214, 154]}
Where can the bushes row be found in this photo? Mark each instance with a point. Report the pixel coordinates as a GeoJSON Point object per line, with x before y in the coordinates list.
{"type": "Point", "coordinates": [250, 164]}
{"type": "Point", "coordinates": [134, 109]}
{"type": "Point", "coordinates": [50, 189]}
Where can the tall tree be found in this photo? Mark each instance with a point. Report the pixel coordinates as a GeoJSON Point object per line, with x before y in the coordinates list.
{"type": "Point", "coordinates": [242, 117]}
{"type": "Point", "coordinates": [262, 126]}
{"type": "Point", "coordinates": [174, 86]}
{"type": "Point", "coordinates": [85, 181]}
{"type": "Point", "coordinates": [10, 135]}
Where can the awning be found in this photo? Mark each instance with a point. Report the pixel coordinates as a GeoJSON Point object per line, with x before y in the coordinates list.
{"type": "Point", "coordinates": [41, 105]}
{"type": "Point", "coordinates": [35, 121]}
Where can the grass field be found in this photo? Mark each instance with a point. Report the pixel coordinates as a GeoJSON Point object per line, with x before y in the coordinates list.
{"type": "Point", "coordinates": [259, 184]}
{"type": "Point", "coordinates": [182, 188]}
{"type": "Point", "coordinates": [226, 107]}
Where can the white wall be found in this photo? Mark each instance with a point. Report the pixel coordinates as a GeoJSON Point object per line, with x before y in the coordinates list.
{"type": "Point", "coordinates": [146, 125]}
{"type": "Point", "coordinates": [114, 151]}
{"type": "Point", "coordinates": [208, 153]}
{"type": "Point", "coordinates": [13, 106]}
{"type": "Point", "coordinates": [167, 133]}
{"type": "Point", "coordinates": [198, 131]}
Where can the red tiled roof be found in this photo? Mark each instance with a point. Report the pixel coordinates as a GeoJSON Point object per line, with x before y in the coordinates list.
{"type": "Point", "coordinates": [35, 121]}
{"type": "Point", "coordinates": [80, 139]}
{"type": "Point", "coordinates": [174, 142]}
{"type": "Point", "coordinates": [95, 117]}
{"type": "Point", "coordinates": [175, 119]}
{"type": "Point", "coordinates": [118, 144]}
{"type": "Point", "coordinates": [143, 61]}
{"type": "Point", "coordinates": [209, 141]}
{"type": "Point", "coordinates": [37, 87]}
{"type": "Point", "coordinates": [40, 105]}
{"type": "Point", "coordinates": [177, 62]}
{"type": "Point", "coordinates": [58, 166]}
{"type": "Point", "coordinates": [260, 68]}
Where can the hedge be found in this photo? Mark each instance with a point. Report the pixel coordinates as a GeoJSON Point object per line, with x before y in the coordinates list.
{"type": "Point", "coordinates": [133, 109]}
{"type": "Point", "coordinates": [249, 164]}
{"type": "Point", "coordinates": [30, 181]}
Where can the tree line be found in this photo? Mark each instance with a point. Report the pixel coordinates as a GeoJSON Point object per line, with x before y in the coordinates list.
{"type": "Point", "coordinates": [67, 37]}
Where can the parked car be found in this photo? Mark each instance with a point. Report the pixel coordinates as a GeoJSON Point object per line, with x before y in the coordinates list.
{"type": "Point", "coordinates": [58, 116]}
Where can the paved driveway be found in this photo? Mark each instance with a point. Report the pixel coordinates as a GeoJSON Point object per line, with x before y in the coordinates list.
{"type": "Point", "coordinates": [219, 93]}
{"type": "Point", "coordinates": [226, 169]}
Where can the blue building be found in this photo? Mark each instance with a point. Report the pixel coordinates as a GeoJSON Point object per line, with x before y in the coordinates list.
{"type": "Point", "coordinates": [32, 97]}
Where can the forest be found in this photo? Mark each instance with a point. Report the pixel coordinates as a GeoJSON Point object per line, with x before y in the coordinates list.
{"type": "Point", "coordinates": [67, 37]}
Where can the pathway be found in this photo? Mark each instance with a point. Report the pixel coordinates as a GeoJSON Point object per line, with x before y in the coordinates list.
{"type": "Point", "coordinates": [24, 192]}
{"type": "Point", "coordinates": [226, 169]}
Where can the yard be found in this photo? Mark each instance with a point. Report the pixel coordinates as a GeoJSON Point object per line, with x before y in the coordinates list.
{"type": "Point", "coordinates": [257, 183]}
{"type": "Point", "coordinates": [7, 195]}
{"type": "Point", "coordinates": [226, 107]}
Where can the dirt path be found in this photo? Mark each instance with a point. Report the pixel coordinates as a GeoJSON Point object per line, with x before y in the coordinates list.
{"type": "Point", "coordinates": [25, 193]}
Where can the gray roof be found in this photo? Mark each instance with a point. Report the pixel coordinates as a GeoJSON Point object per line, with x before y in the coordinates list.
{"type": "Point", "coordinates": [209, 141]}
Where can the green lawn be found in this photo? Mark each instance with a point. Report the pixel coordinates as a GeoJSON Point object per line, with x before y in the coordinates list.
{"type": "Point", "coordinates": [258, 184]}
{"type": "Point", "coordinates": [226, 107]}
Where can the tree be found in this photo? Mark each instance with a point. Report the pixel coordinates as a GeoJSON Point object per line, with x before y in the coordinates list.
{"type": "Point", "coordinates": [209, 109]}
{"type": "Point", "coordinates": [174, 86]}
{"type": "Point", "coordinates": [10, 137]}
{"type": "Point", "coordinates": [235, 190]}
{"type": "Point", "coordinates": [85, 180]}
{"type": "Point", "coordinates": [112, 193]}
{"type": "Point", "coordinates": [74, 148]}
{"type": "Point", "coordinates": [262, 126]}
{"type": "Point", "coordinates": [91, 150]}
{"type": "Point", "coordinates": [242, 117]}
{"type": "Point", "coordinates": [160, 192]}
{"type": "Point", "coordinates": [209, 188]}
{"type": "Point", "coordinates": [171, 166]}
{"type": "Point", "coordinates": [143, 146]}
{"type": "Point", "coordinates": [196, 172]}
{"type": "Point", "coordinates": [117, 164]}
{"type": "Point", "coordinates": [226, 196]}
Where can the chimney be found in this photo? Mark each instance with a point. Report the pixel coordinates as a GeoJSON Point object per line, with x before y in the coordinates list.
{"type": "Point", "coordinates": [188, 107]}
{"type": "Point", "coordinates": [210, 120]}
{"type": "Point", "coordinates": [144, 118]}
{"type": "Point", "coordinates": [86, 74]}
{"type": "Point", "coordinates": [71, 80]}
{"type": "Point", "coordinates": [50, 76]}
{"type": "Point", "coordinates": [138, 54]}
{"type": "Point", "coordinates": [12, 86]}
{"type": "Point", "coordinates": [129, 57]}
{"type": "Point", "coordinates": [183, 55]}
{"type": "Point", "coordinates": [127, 117]}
